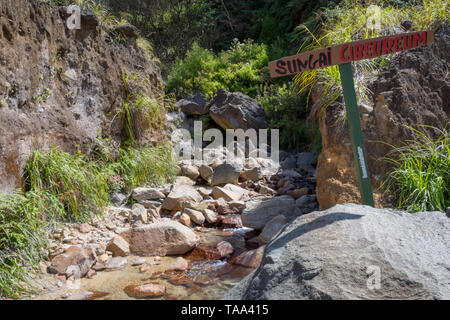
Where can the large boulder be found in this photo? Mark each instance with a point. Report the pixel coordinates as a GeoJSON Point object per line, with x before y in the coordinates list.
{"type": "Point", "coordinates": [259, 211]}
{"type": "Point", "coordinates": [227, 172]}
{"type": "Point", "coordinates": [413, 89]}
{"type": "Point", "coordinates": [235, 110]}
{"type": "Point", "coordinates": [195, 105]}
{"type": "Point", "coordinates": [181, 194]}
{"type": "Point", "coordinates": [164, 237]}
{"type": "Point", "coordinates": [355, 252]}
{"type": "Point", "coordinates": [73, 258]}
{"type": "Point", "coordinates": [142, 193]}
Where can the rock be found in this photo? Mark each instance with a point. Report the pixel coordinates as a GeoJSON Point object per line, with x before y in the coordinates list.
{"type": "Point", "coordinates": [448, 211]}
{"type": "Point", "coordinates": [180, 194]}
{"type": "Point", "coordinates": [141, 193]}
{"type": "Point", "coordinates": [91, 273]}
{"type": "Point", "coordinates": [89, 18]}
{"type": "Point", "coordinates": [81, 295]}
{"type": "Point", "coordinates": [355, 252]}
{"type": "Point", "coordinates": [227, 172]}
{"type": "Point", "coordinates": [127, 30]}
{"type": "Point", "coordinates": [206, 172]}
{"type": "Point", "coordinates": [179, 264]}
{"type": "Point", "coordinates": [254, 174]}
{"type": "Point", "coordinates": [227, 195]}
{"type": "Point", "coordinates": [85, 228]}
{"type": "Point", "coordinates": [249, 259]}
{"type": "Point", "coordinates": [237, 111]}
{"type": "Point", "coordinates": [304, 200]}
{"type": "Point", "coordinates": [183, 180]}
{"type": "Point", "coordinates": [289, 163]}
{"type": "Point", "coordinates": [138, 214]}
{"type": "Point", "coordinates": [297, 193]}
{"type": "Point", "coordinates": [195, 105]}
{"type": "Point", "coordinates": [164, 237]}
{"type": "Point", "coordinates": [118, 198]}
{"type": "Point", "coordinates": [210, 216]}
{"type": "Point", "coordinates": [196, 216]}
{"type": "Point", "coordinates": [185, 219]}
{"type": "Point", "coordinates": [138, 262]}
{"type": "Point", "coordinates": [190, 171]}
{"type": "Point", "coordinates": [149, 290]}
{"type": "Point", "coordinates": [305, 159]}
{"type": "Point", "coordinates": [118, 246]}
{"type": "Point", "coordinates": [232, 221]}
{"type": "Point", "coordinates": [257, 213]}
{"type": "Point", "coordinates": [204, 192]}
{"type": "Point", "coordinates": [220, 251]}
{"type": "Point", "coordinates": [266, 190]}
{"type": "Point", "coordinates": [272, 228]}
{"type": "Point", "coordinates": [116, 263]}
{"type": "Point", "coordinates": [83, 258]}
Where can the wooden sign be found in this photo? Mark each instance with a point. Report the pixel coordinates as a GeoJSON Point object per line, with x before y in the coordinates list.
{"type": "Point", "coordinates": [343, 55]}
{"type": "Point", "coordinates": [347, 52]}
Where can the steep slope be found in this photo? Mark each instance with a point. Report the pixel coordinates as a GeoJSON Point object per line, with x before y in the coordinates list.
{"type": "Point", "coordinates": [61, 87]}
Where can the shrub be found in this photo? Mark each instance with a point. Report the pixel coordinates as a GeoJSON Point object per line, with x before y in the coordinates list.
{"type": "Point", "coordinates": [420, 178]}
{"type": "Point", "coordinates": [241, 68]}
{"type": "Point", "coordinates": [285, 110]}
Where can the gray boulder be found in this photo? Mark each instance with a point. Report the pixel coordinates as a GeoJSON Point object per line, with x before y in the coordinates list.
{"type": "Point", "coordinates": [224, 173]}
{"type": "Point", "coordinates": [235, 110]}
{"type": "Point", "coordinates": [260, 211]}
{"type": "Point", "coordinates": [355, 252]}
{"type": "Point", "coordinates": [195, 105]}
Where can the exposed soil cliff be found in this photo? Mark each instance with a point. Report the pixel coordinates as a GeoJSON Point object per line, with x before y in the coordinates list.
{"type": "Point", "coordinates": [62, 87]}
{"type": "Point", "coordinates": [413, 89]}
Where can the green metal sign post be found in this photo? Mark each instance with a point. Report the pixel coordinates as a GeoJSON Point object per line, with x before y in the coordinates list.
{"type": "Point", "coordinates": [354, 125]}
{"type": "Point", "coordinates": [343, 55]}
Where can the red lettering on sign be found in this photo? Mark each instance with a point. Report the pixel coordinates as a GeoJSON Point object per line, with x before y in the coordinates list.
{"type": "Point", "coordinates": [387, 45]}
{"type": "Point", "coordinates": [397, 46]}
{"type": "Point", "coordinates": [358, 51]}
{"type": "Point", "coordinates": [343, 57]}
{"type": "Point", "coordinates": [407, 42]}
{"type": "Point", "coordinates": [376, 52]}
{"type": "Point", "coordinates": [367, 50]}
{"type": "Point", "coordinates": [420, 38]}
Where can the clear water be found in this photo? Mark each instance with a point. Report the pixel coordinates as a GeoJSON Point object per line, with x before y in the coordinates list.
{"type": "Point", "coordinates": [206, 279]}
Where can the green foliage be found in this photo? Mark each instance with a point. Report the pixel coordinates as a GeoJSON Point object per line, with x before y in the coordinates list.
{"type": "Point", "coordinates": [285, 110]}
{"type": "Point", "coordinates": [420, 179]}
{"type": "Point", "coordinates": [241, 68]}
{"type": "Point", "coordinates": [348, 22]}
{"type": "Point", "coordinates": [25, 221]}
{"type": "Point", "coordinates": [79, 185]}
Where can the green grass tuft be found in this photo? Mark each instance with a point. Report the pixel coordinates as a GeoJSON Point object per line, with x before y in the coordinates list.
{"type": "Point", "coordinates": [79, 185]}
{"type": "Point", "coordinates": [420, 179]}
{"type": "Point", "coordinates": [25, 221]}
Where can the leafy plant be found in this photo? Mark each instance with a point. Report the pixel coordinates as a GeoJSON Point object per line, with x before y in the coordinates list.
{"type": "Point", "coordinates": [285, 111]}
{"type": "Point", "coordinates": [420, 178]}
{"type": "Point", "coordinates": [241, 68]}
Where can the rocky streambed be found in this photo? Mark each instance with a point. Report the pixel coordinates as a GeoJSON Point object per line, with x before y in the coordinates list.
{"type": "Point", "coordinates": [193, 239]}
